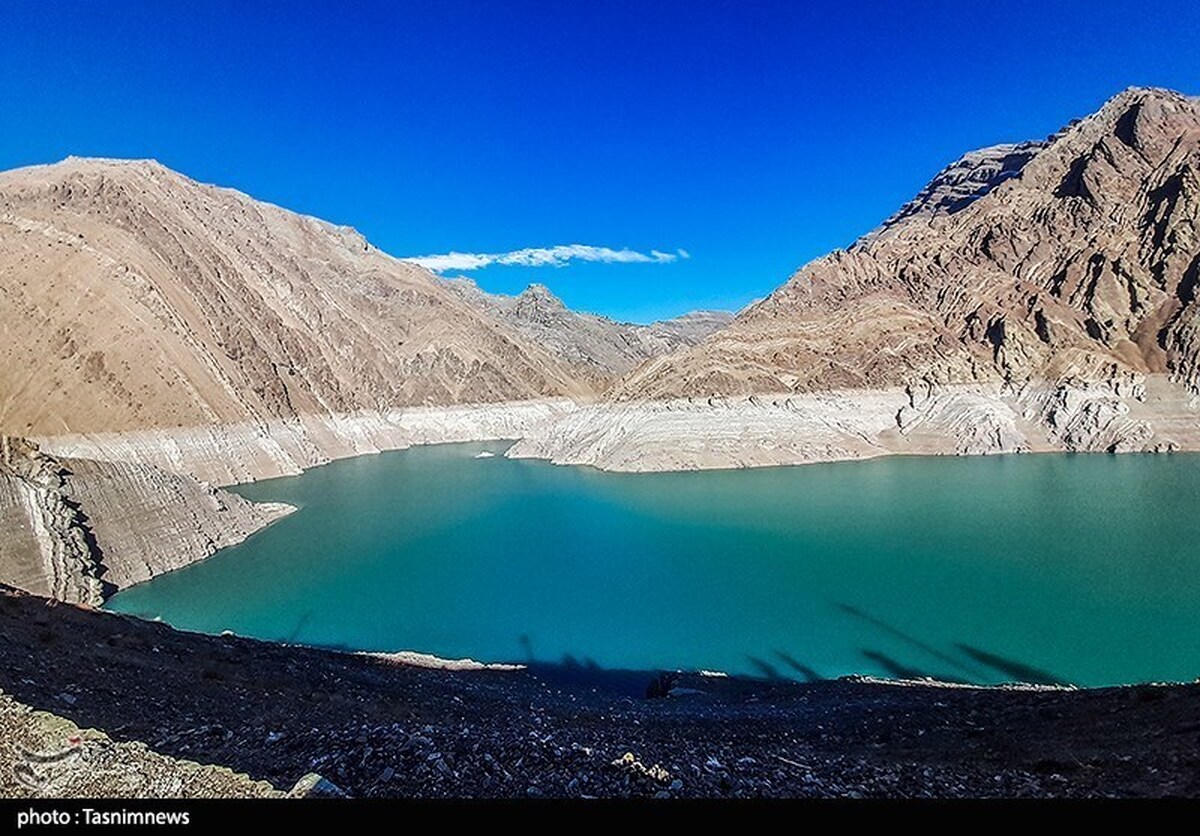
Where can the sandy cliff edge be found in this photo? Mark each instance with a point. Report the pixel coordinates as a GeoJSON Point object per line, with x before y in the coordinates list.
{"type": "Point", "coordinates": [77, 530]}
{"type": "Point", "coordinates": [230, 454]}
{"type": "Point", "coordinates": [1149, 415]}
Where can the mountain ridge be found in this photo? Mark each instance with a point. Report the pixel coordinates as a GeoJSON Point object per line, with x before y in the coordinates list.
{"type": "Point", "coordinates": [963, 289]}
{"type": "Point", "coordinates": [602, 346]}
{"type": "Point", "coordinates": [205, 306]}
{"type": "Point", "coordinates": [1055, 309]}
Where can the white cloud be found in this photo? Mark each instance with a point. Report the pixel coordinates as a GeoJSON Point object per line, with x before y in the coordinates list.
{"type": "Point", "coordinates": [558, 256]}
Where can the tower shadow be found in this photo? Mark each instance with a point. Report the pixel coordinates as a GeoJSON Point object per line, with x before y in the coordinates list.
{"type": "Point", "coordinates": [971, 671]}
{"type": "Point", "coordinates": [1018, 671]}
{"type": "Point", "coordinates": [765, 669]}
{"type": "Point", "coordinates": [805, 671]}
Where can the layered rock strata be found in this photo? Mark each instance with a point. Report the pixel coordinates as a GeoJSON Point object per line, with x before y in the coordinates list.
{"type": "Point", "coordinates": [77, 530]}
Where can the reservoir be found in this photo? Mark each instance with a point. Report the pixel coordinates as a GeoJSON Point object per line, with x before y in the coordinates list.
{"type": "Point", "coordinates": [1079, 569]}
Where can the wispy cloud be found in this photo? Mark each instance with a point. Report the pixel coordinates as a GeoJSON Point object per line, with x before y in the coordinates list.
{"type": "Point", "coordinates": [559, 256]}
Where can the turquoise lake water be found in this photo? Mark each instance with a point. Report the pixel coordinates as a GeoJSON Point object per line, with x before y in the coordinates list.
{"type": "Point", "coordinates": [1081, 569]}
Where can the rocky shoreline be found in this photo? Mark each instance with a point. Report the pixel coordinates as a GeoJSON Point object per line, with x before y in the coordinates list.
{"type": "Point", "coordinates": [87, 515]}
{"type": "Point", "coordinates": [142, 503]}
{"type": "Point", "coordinates": [77, 529]}
{"type": "Point", "coordinates": [377, 727]}
{"type": "Point", "coordinates": [233, 454]}
{"type": "Point", "coordinates": [1138, 414]}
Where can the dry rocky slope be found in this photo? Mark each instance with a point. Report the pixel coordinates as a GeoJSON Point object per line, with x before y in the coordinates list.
{"type": "Point", "coordinates": [135, 298]}
{"type": "Point", "coordinates": [43, 755]}
{"type": "Point", "coordinates": [246, 340]}
{"type": "Point", "coordinates": [601, 347]}
{"type": "Point", "coordinates": [377, 728]}
{"type": "Point", "coordinates": [1033, 297]}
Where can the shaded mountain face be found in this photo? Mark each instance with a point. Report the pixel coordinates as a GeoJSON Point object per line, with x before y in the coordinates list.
{"type": "Point", "coordinates": [1073, 259]}
{"type": "Point", "coordinates": [600, 347]}
{"type": "Point", "coordinates": [967, 179]}
{"type": "Point", "coordinates": [132, 297]}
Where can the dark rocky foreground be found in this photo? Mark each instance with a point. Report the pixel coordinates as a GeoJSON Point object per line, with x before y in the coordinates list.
{"type": "Point", "coordinates": [379, 728]}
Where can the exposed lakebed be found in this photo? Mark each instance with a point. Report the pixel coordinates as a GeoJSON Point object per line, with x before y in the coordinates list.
{"type": "Point", "coordinates": [1081, 569]}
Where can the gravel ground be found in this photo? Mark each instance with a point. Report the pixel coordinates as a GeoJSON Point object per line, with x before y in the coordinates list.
{"type": "Point", "coordinates": [43, 755]}
{"type": "Point", "coordinates": [377, 727]}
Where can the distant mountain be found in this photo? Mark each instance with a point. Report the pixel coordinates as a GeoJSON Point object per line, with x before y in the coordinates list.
{"type": "Point", "coordinates": [601, 346]}
{"type": "Point", "coordinates": [1076, 258]}
{"type": "Point", "coordinates": [132, 297]}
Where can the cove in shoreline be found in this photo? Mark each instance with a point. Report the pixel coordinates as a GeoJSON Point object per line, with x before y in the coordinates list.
{"type": "Point", "coordinates": [1049, 568]}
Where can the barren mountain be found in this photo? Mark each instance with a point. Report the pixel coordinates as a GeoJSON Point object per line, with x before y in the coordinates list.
{"type": "Point", "coordinates": [158, 332]}
{"type": "Point", "coordinates": [967, 179]}
{"type": "Point", "coordinates": [692, 327]}
{"type": "Point", "coordinates": [1077, 258]}
{"type": "Point", "coordinates": [602, 346]}
{"type": "Point", "coordinates": [1039, 296]}
{"type": "Point", "coordinates": [132, 297]}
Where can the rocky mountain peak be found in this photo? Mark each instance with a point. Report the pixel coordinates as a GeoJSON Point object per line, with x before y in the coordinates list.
{"type": "Point", "coordinates": [598, 347]}
{"type": "Point", "coordinates": [1137, 129]}
{"type": "Point", "coordinates": [967, 179]}
{"type": "Point", "coordinates": [1146, 120]}
{"type": "Point", "coordinates": [1072, 257]}
{"type": "Point", "coordinates": [538, 298]}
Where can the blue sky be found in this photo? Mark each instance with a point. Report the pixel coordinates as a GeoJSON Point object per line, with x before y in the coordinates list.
{"type": "Point", "coordinates": [753, 136]}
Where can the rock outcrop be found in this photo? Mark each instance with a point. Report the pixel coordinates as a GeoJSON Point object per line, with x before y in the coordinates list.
{"type": "Point", "coordinates": [77, 530]}
{"type": "Point", "coordinates": [601, 347]}
{"type": "Point", "coordinates": [47, 545]}
{"type": "Point", "coordinates": [147, 521]}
